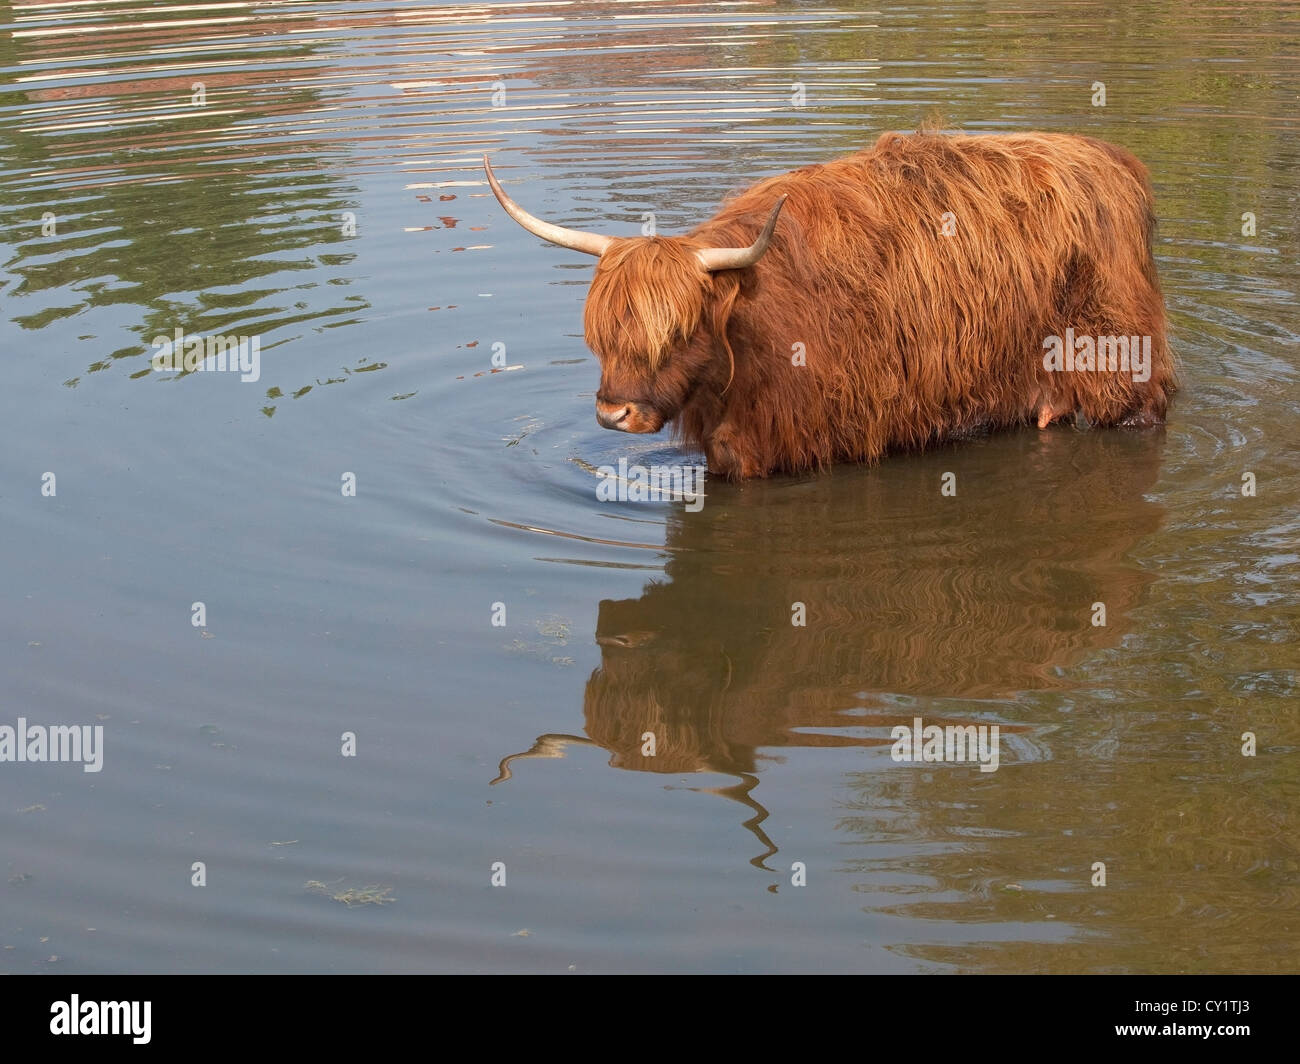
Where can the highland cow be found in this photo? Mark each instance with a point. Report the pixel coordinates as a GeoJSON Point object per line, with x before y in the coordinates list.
{"type": "Point", "coordinates": [922, 290]}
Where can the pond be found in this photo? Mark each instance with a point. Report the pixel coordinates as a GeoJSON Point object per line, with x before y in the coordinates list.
{"type": "Point", "coordinates": [374, 665]}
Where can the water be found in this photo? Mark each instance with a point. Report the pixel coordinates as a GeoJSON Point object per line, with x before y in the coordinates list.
{"type": "Point", "coordinates": [308, 174]}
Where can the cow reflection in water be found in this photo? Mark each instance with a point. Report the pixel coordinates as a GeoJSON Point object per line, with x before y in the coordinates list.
{"type": "Point", "coordinates": [906, 592]}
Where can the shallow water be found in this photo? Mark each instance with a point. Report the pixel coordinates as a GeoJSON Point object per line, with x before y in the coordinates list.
{"type": "Point", "coordinates": [325, 196]}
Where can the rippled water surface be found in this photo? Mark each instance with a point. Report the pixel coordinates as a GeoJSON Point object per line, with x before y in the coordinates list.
{"type": "Point", "coordinates": [308, 174]}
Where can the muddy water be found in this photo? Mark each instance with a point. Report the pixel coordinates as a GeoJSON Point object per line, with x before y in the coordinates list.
{"type": "Point", "coordinates": [306, 174]}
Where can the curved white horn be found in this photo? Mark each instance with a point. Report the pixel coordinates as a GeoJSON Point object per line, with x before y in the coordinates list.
{"type": "Point", "coordinates": [738, 258]}
{"type": "Point", "coordinates": [556, 234]}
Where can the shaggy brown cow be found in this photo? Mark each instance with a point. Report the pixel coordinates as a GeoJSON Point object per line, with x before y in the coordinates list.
{"type": "Point", "coordinates": [929, 287]}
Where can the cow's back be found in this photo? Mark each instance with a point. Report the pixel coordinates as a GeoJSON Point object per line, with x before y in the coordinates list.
{"type": "Point", "coordinates": [922, 277]}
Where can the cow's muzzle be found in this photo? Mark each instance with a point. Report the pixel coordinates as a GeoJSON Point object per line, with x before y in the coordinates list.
{"type": "Point", "coordinates": [628, 416]}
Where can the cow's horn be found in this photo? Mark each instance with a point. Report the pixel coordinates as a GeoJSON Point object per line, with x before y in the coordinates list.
{"type": "Point", "coordinates": [738, 258]}
{"type": "Point", "coordinates": [556, 234]}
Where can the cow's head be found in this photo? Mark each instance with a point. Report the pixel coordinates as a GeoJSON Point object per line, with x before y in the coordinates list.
{"type": "Point", "coordinates": [655, 314]}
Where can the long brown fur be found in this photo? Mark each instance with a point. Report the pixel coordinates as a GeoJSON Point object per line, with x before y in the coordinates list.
{"type": "Point", "coordinates": [909, 336]}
